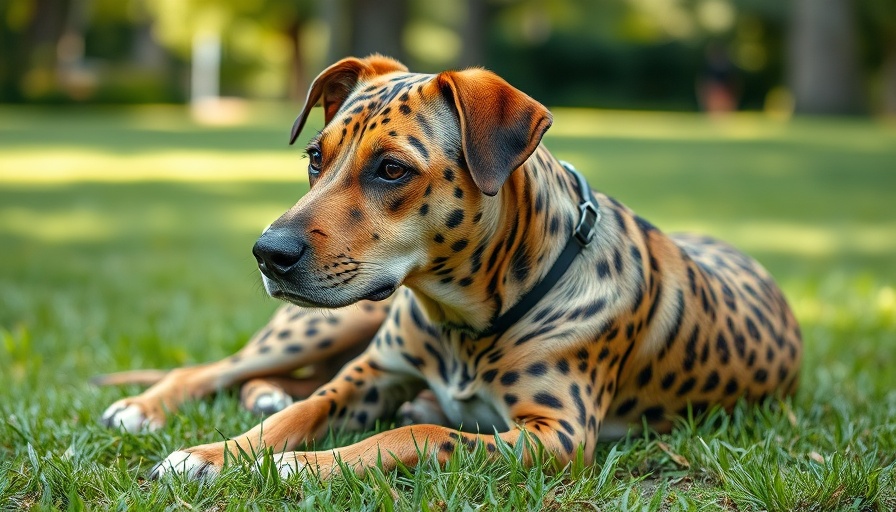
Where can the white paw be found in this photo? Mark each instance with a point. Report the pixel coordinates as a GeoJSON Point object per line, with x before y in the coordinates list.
{"type": "Point", "coordinates": [286, 464]}
{"type": "Point", "coordinates": [272, 402]}
{"type": "Point", "coordinates": [130, 417]}
{"type": "Point", "coordinates": [183, 463]}
{"type": "Point", "coordinates": [421, 411]}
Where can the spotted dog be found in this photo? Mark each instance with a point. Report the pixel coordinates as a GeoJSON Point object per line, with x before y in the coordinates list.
{"type": "Point", "coordinates": [490, 277]}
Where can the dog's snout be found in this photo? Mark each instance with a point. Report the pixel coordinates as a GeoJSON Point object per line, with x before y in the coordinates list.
{"type": "Point", "coordinates": [278, 251]}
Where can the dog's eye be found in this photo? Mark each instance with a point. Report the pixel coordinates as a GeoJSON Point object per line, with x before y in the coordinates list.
{"type": "Point", "coordinates": [314, 160]}
{"type": "Point", "coordinates": [391, 171]}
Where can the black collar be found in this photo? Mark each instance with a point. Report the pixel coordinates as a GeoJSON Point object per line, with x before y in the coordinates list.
{"type": "Point", "coordinates": [582, 235]}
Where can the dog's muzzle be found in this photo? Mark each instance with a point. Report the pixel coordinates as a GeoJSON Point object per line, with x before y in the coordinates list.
{"type": "Point", "coordinates": [278, 251]}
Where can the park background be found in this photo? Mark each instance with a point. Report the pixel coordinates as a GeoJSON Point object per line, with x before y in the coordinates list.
{"type": "Point", "coordinates": [143, 148]}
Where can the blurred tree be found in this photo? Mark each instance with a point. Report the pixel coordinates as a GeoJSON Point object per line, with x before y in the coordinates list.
{"type": "Point", "coordinates": [361, 27]}
{"type": "Point", "coordinates": [289, 18]}
{"type": "Point", "coordinates": [32, 30]}
{"type": "Point", "coordinates": [262, 39]}
{"type": "Point", "coordinates": [878, 21]}
{"type": "Point", "coordinates": [478, 17]}
{"type": "Point", "coordinates": [609, 53]}
{"type": "Point", "coordinates": [378, 26]}
{"type": "Point", "coordinates": [824, 58]}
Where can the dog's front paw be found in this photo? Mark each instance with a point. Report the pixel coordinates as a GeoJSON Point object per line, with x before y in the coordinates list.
{"type": "Point", "coordinates": [264, 398]}
{"type": "Point", "coordinates": [422, 410]}
{"type": "Point", "coordinates": [192, 464]}
{"type": "Point", "coordinates": [133, 416]}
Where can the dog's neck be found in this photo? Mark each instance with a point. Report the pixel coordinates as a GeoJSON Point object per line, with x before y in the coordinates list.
{"type": "Point", "coordinates": [523, 230]}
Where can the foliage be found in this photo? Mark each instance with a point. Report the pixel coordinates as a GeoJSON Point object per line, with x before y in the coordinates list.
{"type": "Point", "coordinates": [609, 53]}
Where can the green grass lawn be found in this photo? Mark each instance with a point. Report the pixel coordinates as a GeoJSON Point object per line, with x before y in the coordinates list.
{"type": "Point", "coordinates": [124, 243]}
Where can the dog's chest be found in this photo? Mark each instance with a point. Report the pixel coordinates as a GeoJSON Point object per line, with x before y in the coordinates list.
{"type": "Point", "coordinates": [464, 400]}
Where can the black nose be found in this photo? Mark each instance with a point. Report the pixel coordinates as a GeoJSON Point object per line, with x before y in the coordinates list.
{"type": "Point", "coordinates": [278, 251]}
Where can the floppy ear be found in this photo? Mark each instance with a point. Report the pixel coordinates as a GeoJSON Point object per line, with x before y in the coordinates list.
{"type": "Point", "coordinates": [335, 83]}
{"type": "Point", "coordinates": [500, 126]}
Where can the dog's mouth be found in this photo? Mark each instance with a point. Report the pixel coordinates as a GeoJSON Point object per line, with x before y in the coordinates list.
{"type": "Point", "coordinates": [278, 291]}
{"type": "Point", "coordinates": [381, 293]}
{"type": "Point", "coordinates": [292, 298]}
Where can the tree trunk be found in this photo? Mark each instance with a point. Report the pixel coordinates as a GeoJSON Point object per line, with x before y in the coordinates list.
{"type": "Point", "coordinates": [378, 26]}
{"type": "Point", "coordinates": [888, 78]}
{"type": "Point", "coordinates": [473, 34]}
{"type": "Point", "coordinates": [335, 15]}
{"type": "Point", "coordinates": [823, 67]}
{"type": "Point", "coordinates": [298, 84]}
{"type": "Point", "coordinates": [35, 50]}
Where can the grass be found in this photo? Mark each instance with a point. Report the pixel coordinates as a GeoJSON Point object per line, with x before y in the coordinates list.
{"type": "Point", "coordinates": [124, 243]}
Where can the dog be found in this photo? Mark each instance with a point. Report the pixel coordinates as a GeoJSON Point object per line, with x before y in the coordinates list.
{"type": "Point", "coordinates": [496, 295]}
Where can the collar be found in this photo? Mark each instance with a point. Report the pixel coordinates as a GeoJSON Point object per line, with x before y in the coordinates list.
{"type": "Point", "coordinates": [581, 237]}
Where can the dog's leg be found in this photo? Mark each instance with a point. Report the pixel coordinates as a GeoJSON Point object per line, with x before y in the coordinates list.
{"type": "Point", "coordinates": [360, 395]}
{"type": "Point", "coordinates": [294, 338]}
{"type": "Point", "coordinates": [407, 445]}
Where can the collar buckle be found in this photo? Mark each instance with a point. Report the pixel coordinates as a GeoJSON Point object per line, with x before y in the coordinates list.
{"type": "Point", "coordinates": [589, 216]}
{"type": "Point", "coordinates": [589, 213]}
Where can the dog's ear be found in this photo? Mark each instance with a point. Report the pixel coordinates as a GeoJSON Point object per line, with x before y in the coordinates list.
{"type": "Point", "coordinates": [500, 126]}
{"type": "Point", "coordinates": [335, 83]}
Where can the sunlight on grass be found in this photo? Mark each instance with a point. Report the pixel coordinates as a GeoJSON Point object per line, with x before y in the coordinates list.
{"type": "Point", "coordinates": [744, 126]}
{"type": "Point", "coordinates": [78, 225]}
{"type": "Point", "coordinates": [93, 225]}
{"type": "Point", "coordinates": [804, 239]}
{"type": "Point", "coordinates": [66, 164]}
{"type": "Point", "coordinates": [573, 122]}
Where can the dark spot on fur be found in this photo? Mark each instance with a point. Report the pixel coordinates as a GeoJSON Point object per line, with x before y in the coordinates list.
{"type": "Point", "coordinates": [686, 386]}
{"type": "Point", "coordinates": [510, 378]}
{"type": "Point", "coordinates": [372, 396]}
{"type": "Point", "coordinates": [419, 146]}
{"type": "Point", "coordinates": [537, 369]}
{"type": "Point", "coordinates": [712, 382]}
{"type": "Point", "coordinates": [668, 380]}
{"type": "Point", "coordinates": [626, 406]}
{"type": "Point", "coordinates": [455, 218]}
{"type": "Point", "coordinates": [722, 349]}
{"type": "Point", "coordinates": [645, 376]}
{"type": "Point", "coordinates": [731, 387]}
{"type": "Point", "coordinates": [548, 400]}
{"type": "Point", "coordinates": [459, 245]}
{"type": "Point", "coordinates": [761, 376]}
{"type": "Point", "coordinates": [565, 441]}
{"type": "Point", "coordinates": [563, 366]}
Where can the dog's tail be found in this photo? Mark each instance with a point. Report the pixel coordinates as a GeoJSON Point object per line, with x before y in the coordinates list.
{"type": "Point", "coordinates": [142, 377]}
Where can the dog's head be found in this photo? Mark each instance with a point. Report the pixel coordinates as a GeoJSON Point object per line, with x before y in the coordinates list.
{"type": "Point", "coordinates": [399, 176]}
